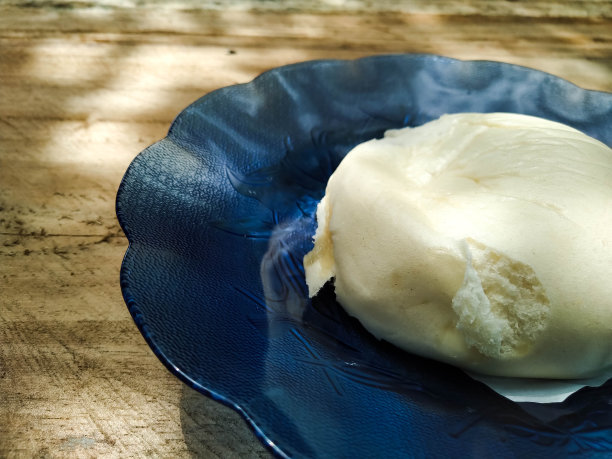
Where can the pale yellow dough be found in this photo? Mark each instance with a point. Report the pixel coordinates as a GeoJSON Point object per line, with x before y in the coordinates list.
{"type": "Point", "coordinates": [482, 240]}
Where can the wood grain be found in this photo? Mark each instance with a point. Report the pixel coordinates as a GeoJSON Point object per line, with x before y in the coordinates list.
{"type": "Point", "coordinates": [85, 86]}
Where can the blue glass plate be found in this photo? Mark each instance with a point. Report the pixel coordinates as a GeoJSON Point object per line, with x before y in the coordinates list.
{"type": "Point", "coordinates": [220, 213]}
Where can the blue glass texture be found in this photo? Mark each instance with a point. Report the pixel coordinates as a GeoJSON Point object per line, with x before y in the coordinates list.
{"type": "Point", "coordinates": [220, 213]}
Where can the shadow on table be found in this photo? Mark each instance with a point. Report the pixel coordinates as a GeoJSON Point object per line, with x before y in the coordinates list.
{"type": "Point", "coordinates": [214, 430]}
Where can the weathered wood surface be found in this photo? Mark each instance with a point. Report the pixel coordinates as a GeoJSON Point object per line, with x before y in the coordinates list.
{"type": "Point", "coordinates": [85, 86]}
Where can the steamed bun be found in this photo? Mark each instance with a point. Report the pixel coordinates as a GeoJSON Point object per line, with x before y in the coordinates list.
{"type": "Point", "coordinates": [481, 240]}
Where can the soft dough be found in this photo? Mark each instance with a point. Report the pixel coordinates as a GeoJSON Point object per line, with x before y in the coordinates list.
{"type": "Point", "coordinates": [482, 240]}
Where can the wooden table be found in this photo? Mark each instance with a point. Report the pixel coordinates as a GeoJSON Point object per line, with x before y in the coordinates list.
{"type": "Point", "coordinates": [83, 88]}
